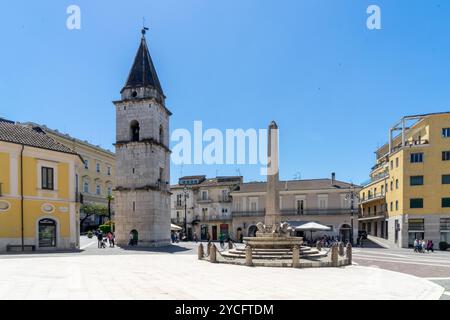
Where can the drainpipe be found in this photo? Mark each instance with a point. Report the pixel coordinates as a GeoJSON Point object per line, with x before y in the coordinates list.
{"type": "Point", "coordinates": [21, 199]}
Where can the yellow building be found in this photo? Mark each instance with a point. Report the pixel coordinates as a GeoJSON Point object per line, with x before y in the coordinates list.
{"type": "Point", "coordinates": [38, 195]}
{"type": "Point", "coordinates": [95, 179]}
{"type": "Point", "coordinates": [408, 196]}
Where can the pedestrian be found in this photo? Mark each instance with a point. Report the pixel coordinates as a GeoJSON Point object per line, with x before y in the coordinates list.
{"type": "Point", "coordinates": [416, 245]}
{"type": "Point", "coordinates": [100, 239]}
{"type": "Point", "coordinates": [131, 242]}
{"type": "Point", "coordinates": [172, 236]}
{"type": "Point", "coordinates": [195, 238]}
{"type": "Point", "coordinates": [113, 239]}
{"type": "Point", "coordinates": [241, 238]}
{"type": "Point", "coordinates": [430, 246]}
{"type": "Point", "coordinates": [424, 246]}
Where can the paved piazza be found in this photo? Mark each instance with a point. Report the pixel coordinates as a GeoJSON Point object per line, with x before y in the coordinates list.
{"type": "Point", "coordinates": [175, 273]}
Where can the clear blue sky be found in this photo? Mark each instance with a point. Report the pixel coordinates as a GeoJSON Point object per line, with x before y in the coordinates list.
{"type": "Point", "coordinates": [333, 86]}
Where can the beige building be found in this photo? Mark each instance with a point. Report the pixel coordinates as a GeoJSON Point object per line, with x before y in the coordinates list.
{"type": "Point", "coordinates": [325, 201]}
{"type": "Point", "coordinates": [208, 205]}
{"type": "Point", "coordinates": [94, 180]}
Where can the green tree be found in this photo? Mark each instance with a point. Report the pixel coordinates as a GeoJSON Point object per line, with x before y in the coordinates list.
{"type": "Point", "coordinates": [90, 210]}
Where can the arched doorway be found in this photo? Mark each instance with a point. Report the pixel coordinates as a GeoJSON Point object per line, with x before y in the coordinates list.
{"type": "Point", "coordinates": [134, 238]}
{"type": "Point", "coordinates": [252, 231]}
{"type": "Point", "coordinates": [345, 232]}
{"type": "Point", "coordinates": [47, 233]}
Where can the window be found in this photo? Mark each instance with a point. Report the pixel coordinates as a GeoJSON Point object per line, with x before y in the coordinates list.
{"type": "Point", "coordinates": [396, 184]}
{"type": "Point", "coordinates": [392, 165]}
{"type": "Point", "coordinates": [392, 206]}
{"type": "Point", "coordinates": [416, 203]}
{"type": "Point", "coordinates": [416, 180]}
{"type": "Point", "coordinates": [382, 190]}
{"type": "Point", "coordinates": [323, 201]}
{"type": "Point", "coordinates": [134, 206]}
{"type": "Point", "coordinates": [134, 131]}
{"type": "Point", "coordinates": [161, 134]}
{"type": "Point", "coordinates": [445, 202]}
{"type": "Point", "coordinates": [109, 191]}
{"type": "Point", "coordinates": [179, 200]}
{"type": "Point", "coordinates": [204, 195]}
{"type": "Point", "coordinates": [86, 164]}
{"type": "Point", "coordinates": [109, 171]}
{"type": "Point", "coordinates": [300, 206]}
{"type": "Point", "coordinates": [98, 190]}
{"type": "Point", "coordinates": [446, 133]}
{"type": "Point", "coordinates": [445, 155]}
{"type": "Point", "coordinates": [98, 167]}
{"type": "Point", "coordinates": [446, 179]}
{"type": "Point", "coordinates": [86, 187]}
{"type": "Point", "coordinates": [392, 186]}
{"type": "Point", "coordinates": [416, 225]}
{"type": "Point", "coordinates": [416, 157]}
{"type": "Point", "coordinates": [445, 230]}
{"type": "Point", "coordinates": [47, 178]}
{"type": "Point", "coordinates": [396, 162]}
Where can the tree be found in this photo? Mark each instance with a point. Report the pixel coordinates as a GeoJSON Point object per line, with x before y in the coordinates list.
{"type": "Point", "coordinates": [90, 210]}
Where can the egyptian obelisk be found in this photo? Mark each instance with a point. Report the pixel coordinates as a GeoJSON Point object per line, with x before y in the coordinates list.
{"type": "Point", "coordinates": [272, 193]}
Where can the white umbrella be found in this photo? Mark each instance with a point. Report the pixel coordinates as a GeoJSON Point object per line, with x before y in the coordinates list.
{"type": "Point", "coordinates": [175, 228]}
{"type": "Point", "coordinates": [312, 226]}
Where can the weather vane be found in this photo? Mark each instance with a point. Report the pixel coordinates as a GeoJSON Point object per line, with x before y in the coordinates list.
{"type": "Point", "coordinates": [144, 28]}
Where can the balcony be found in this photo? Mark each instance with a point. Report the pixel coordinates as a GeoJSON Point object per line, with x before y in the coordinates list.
{"type": "Point", "coordinates": [213, 217]}
{"type": "Point", "coordinates": [178, 205]}
{"type": "Point", "coordinates": [311, 212]}
{"type": "Point", "coordinates": [204, 200]}
{"type": "Point", "coordinates": [372, 216]}
{"type": "Point", "coordinates": [259, 213]}
{"type": "Point", "coordinates": [380, 165]}
{"type": "Point", "coordinates": [410, 144]}
{"type": "Point", "coordinates": [374, 197]}
{"type": "Point", "coordinates": [225, 199]}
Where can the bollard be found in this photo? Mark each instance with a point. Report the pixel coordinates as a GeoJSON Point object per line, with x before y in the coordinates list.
{"type": "Point", "coordinates": [230, 245]}
{"type": "Point", "coordinates": [213, 256]}
{"type": "Point", "coordinates": [248, 256]}
{"type": "Point", "coordinates": [349, 254]}
{"type": "Point", "coordinates": [334, 256]}
{"type": "Point", "coordinates": [296, 257]}
{"type": "Point", "coordinates": [341, 249]}
{"type": "Point", "coordinates": [208, 249]}
{"type": "Point", "coordinates": [201, 252]}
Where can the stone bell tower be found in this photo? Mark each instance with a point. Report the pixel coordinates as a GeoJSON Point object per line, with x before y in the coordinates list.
{"type": "Point", "coordinates": [142, 193]}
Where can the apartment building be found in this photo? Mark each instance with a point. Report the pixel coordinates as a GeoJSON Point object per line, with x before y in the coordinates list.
{"type": "Point", "coordinates": [95, 179]}
{"type": "Point", "coordinates": [408, 196]}
{"type": "Point", "coordinates": [326, 201]}
{"type": "Point", "coordinates": [207, 208]}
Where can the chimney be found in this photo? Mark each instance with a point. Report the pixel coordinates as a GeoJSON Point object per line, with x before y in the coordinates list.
{"type": "Point", "coordinates": [333, 178]}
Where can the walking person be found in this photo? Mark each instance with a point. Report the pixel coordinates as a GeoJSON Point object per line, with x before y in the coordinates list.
{"type": "Point", "coordinates": [195, 238]}
{"type": "Point", "coordinates": [416, 245]}
{"type": "Point", "coordinates": [100, 240]}
{"type": "Point", "coordinates": [430, 246]}
{"type": "Point", "coordinates": [131, 242]}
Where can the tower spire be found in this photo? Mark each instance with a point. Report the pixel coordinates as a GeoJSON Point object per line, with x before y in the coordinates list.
{"type": "Point", "coordinates": [143, 72]}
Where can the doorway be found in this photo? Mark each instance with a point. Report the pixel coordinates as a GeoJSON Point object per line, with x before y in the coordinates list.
{"type": "Point", "coordinates": [214, 233]}
{"type": "Point", "coordinates": [47, 233]}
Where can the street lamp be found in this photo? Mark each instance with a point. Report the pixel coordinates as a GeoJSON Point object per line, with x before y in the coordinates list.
{"type": "Point", "coordinates": [186, 196]}
{"type": "Point", "coordinates": [352, 196]}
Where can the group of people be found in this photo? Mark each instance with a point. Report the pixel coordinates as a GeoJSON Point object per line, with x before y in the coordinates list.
{"type": "Point", "coordinates": [422, 246]}
{"type": "Point", "coordinates": [104, 240]}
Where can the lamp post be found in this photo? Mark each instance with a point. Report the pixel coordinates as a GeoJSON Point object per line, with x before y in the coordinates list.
{"type": "Point", "coordinates": [186, 196]}
{"type": "Point", "coordinates": [352, 196]}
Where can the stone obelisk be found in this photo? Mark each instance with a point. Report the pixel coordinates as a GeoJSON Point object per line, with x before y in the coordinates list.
{"type": "Point", "coordinates": [272, 194]}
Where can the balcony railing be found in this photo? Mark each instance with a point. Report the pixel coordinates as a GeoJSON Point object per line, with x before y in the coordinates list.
{"type": "Point", "coordinates": [310, 212]}
{"type": "Point", "coordinates": [224, 199]}
{"type": "Point", "coordinates": [374, 197]}
{"type": "Point", "coordinates": [372, 214]}
{"type": "Point", "coordinates": [414, 143]}
{"type": "Point", "coordinates": [178, 205]}
{"type": "Point", "coordinates": [204, 200]}
{"type": "Point", "coordinates": [217, 217]}
{"type": "Point", "coordinates": [259, 213]}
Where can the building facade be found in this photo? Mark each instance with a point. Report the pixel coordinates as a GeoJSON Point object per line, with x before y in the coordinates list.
{"type": "Point", "coordinates": [142, 189]}
{"type": "Point", "coordinates": [228, 206]}
{"type": "Point", "coordinates": [95, 179]}
{"type": "Point", "coordinates": [325, 201]}
{"type": "Point", "coordinates": [39, 208]}
{"type": "Point", "coordinates": [207, 207]}
{"type": "Point", "coordinates": [408, 196]}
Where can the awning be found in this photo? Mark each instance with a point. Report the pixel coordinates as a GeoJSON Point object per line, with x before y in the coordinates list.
{"type": "Point", "coordinates": [174, 227]}
{"type": "Point", "coordinates": [372, 218]}
{"type": "Point", "coordinates": [312, 226]}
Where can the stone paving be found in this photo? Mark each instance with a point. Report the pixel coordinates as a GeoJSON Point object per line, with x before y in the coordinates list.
{"type": "Point", "coordinates": [122, 274]}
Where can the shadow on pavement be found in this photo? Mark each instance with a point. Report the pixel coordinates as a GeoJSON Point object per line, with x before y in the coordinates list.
{"type": "Point", "coordinates": [166, 249]}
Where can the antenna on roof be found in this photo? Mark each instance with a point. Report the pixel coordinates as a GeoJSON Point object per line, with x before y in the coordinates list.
{"type": "Point", "coordinates": [144, 28]}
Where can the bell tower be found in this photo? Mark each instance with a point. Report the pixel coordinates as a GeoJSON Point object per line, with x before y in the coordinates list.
{"type": "Point", "coordinates": [142, 189]}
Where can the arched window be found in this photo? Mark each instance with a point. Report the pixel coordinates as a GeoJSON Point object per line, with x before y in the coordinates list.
{"type": "Point", "coordinates": [134, 131]}
{"type": "Point", "coordinates": [98, 190]}
{"type": "Point", "coordinates": [86, 187]}
{"type": "Point", "coordinates": [161, 134]}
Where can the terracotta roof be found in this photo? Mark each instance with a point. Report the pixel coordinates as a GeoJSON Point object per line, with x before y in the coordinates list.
{"type": "Point", "coordinates": [316, 184]}
{"type": "Point", "coordinates": [33, 137]}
